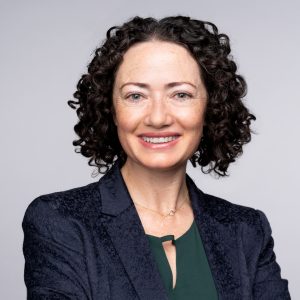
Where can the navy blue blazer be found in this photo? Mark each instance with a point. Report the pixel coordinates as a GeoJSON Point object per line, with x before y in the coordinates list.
{"type": "Point", "coordinates": [89, 243]}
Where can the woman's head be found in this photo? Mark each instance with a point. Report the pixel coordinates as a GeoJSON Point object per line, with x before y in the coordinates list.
{"type": "Point", "coordinates": [226, 120]}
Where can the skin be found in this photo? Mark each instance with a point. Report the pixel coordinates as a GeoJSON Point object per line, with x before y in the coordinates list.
{"type": "Point", "coordinates": [155, 178]}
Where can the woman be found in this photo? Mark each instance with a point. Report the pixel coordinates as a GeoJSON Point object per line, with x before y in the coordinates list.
{"type": "Point", "coordinates": [157, 95]}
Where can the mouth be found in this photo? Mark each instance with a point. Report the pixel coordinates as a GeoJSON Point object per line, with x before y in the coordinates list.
{"type": "Point", "coordinates": [159, 140]}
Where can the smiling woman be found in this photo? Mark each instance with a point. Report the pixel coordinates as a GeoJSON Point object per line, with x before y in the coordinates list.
{"type": "Point", "coordinates": [157, 94]}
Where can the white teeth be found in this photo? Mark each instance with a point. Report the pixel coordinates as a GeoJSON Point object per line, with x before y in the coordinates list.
{"type": "Point", "coordinates": [159, 140]}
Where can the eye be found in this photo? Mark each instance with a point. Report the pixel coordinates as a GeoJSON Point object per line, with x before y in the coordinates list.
{"type": "Point", "coordinates": [134, 97]}
{"type": "Point", "coordinates": [183, 96]}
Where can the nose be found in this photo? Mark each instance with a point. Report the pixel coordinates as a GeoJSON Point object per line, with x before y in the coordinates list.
{"type": "Point", "coordinates": [159, 114]}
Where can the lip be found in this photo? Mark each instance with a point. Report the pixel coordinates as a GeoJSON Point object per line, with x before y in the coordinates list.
{"type": "Point", "coordinates": [159, 134]}
{"type": "Point", "coordinates": [161, 146]}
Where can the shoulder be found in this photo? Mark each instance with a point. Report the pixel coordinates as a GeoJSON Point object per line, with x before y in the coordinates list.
{"type": "Point", "coordinates": [251, 224]}
{"type": "Point", "coordinates": [77, 202]}
{"type": "Point", "coordinates": [222, 210]}
{"type": "Point", "coordinates": [62, 214]}
{"type": "Point", "coordinates": [229, 212]}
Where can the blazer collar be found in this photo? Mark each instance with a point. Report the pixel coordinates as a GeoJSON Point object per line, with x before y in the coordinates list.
{"type": "Point", "coordinates": [123, 224]}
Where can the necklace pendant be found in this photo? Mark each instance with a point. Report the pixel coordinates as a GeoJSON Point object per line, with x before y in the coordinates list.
{"type": "Point", "coordinates": [172, 212]}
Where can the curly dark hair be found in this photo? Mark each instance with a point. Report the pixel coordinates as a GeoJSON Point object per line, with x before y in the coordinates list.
{"type": "Point", "coordinates": [227, 120]}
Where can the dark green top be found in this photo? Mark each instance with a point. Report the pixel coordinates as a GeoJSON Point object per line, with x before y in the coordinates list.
{"type": "Point", "coordinates": [194, 278]}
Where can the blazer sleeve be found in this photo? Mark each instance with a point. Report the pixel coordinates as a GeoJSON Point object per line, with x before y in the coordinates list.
{"type": "Point", "coordinates": [53, 251]}
{"type": "Point", "coordinates": [268, 283]}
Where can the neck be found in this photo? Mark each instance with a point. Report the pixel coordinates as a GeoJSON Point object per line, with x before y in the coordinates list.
{"type": "Point", "coordinates": [156, 189]}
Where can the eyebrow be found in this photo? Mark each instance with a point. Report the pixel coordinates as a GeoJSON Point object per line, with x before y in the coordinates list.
{"type": "Point", "coordinates": [168, 85]}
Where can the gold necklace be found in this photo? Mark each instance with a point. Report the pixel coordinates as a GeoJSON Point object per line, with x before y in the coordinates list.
{"type": "Point", "coordinates": [171, 213]}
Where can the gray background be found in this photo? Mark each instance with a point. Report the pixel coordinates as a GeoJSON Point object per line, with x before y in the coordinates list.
{"type": "Point", "coordinates": [45, 47]}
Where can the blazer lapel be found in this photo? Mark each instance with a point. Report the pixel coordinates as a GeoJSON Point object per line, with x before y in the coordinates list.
{"type": "Point", "coordinates": [218, 234]}
{"type": "Point", "coordinates": [128, 236]}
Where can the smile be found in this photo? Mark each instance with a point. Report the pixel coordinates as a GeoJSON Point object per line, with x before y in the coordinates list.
{"type": "Point", "coordinates": [159, 140]}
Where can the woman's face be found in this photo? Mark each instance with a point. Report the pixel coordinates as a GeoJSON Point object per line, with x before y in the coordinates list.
{"type": "Point", "coordinates": [159, 100]}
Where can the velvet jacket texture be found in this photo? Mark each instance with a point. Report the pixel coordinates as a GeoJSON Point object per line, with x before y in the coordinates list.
{"type": "Point", "coordinates": [89, 243]}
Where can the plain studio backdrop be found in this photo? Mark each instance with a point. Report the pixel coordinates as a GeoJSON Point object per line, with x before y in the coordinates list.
{"type": "Point", "coordinates": [46, 46]}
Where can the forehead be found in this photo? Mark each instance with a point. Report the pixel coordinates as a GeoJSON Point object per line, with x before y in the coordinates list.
{"type": "Point", "coordinates": [163, 61]}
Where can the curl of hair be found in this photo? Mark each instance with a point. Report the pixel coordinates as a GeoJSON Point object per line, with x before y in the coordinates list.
{"type": "Point", "coordinates": [227, 120]}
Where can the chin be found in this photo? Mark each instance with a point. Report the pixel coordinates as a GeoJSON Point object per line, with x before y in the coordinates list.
{"type": "Point", "coordinates": [162, 163]}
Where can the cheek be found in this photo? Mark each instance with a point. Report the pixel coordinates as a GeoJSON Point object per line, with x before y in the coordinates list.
{"type": "Point", "coordinates": [192, 119]}
{"type": "Point", "coordinates": [123, 131]}
{"type": "Point", "coordinates": [194, 127]}
{"type": "Point", "coordinates": [126, 121]}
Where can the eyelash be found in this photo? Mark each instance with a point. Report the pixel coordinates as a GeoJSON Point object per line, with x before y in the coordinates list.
{"type": "Point", "coordinates": [186, 94]}
{"type": "Point", "coordinates": [132, 95]}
